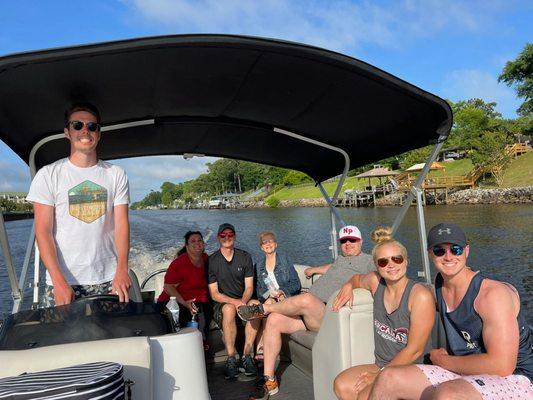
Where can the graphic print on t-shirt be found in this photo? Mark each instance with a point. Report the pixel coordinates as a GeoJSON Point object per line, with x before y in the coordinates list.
{"type": "Point", "coordinates": [87, 201]}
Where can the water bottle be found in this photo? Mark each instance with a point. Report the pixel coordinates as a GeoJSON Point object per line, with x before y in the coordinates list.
{"type": "Point", "coordinates": [193, 323]}
{"type": "Point", "coordinates": [271, 286]}
{"type": "Point", "coordinates": [174, 309]}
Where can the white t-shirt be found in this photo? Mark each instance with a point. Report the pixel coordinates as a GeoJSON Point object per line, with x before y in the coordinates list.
{"type": "Point", "coordinates": [84, 227]}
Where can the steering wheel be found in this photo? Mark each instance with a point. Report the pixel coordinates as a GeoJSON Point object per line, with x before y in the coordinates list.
{"type": "Point", "coordinates": [102, 297]}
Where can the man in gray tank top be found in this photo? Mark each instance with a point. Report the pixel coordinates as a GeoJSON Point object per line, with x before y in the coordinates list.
{"type": "Point", "coordinates": [490, 346]}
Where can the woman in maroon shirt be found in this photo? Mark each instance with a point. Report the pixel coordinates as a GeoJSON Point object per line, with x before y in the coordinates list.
{"type": "Point", "coordinates": [185, 279]}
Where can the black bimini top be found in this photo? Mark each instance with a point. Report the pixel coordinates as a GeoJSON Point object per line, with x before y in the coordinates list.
{"type": "Point", "coordinates": [220, 96]}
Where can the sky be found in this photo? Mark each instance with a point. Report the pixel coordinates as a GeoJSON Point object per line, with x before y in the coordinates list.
{"type": "Point", "coordinates": [455, 49]}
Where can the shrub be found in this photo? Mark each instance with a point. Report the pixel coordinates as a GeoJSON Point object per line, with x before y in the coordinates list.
{"type": "Point", "coordinates": [272, 202]}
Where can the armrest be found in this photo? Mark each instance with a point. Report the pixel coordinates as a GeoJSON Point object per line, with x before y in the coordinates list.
{"type": "Point", "coordinates": [345, 339]}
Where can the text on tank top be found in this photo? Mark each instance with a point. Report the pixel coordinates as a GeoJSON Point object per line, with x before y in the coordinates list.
{"type": "Point", "coordinates": [391, 331]}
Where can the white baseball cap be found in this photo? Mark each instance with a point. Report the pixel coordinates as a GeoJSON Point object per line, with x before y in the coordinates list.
{"type": "Point", "coordinates": [351, 232]}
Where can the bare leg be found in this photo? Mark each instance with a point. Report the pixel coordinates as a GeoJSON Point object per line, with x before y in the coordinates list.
{"type": "Point", "coordinates": [344, 385]}
{"type": "Point", "coordinates": [406, 382]}
{"type": "Point", "coordinates": [229, 328]}
{"type": "Point", "coordinates": [250, 332]}
{"type": "Point", "coordinates": [261, 328]}
{"type": "Point", "coordinates": [276, 325]}
{"type": "Point", "coordinates": [458, 389]}
{"type": "Point", "coordinates": [309, 307]}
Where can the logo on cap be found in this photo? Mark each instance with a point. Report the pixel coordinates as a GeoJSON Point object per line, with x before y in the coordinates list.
{"type": "Point", "coordinates": [347, 230]}
{"type": "Point", "coordinates": [447, 230]}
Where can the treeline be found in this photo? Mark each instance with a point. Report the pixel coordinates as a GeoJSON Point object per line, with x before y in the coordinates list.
{"type": "Point", "coordinates": [223, 176]}
{"type": "Point", "coordinates": [478, 129]}
{"type": "Point", "coordinates": [11, 206]}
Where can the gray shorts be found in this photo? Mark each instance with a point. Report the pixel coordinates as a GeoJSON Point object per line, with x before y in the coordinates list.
{"type": "Point", "coordinates": [79, 291]}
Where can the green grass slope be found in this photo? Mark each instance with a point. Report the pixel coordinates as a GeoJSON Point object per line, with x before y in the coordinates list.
{"type": "Point", "coordinates": [519, 172]}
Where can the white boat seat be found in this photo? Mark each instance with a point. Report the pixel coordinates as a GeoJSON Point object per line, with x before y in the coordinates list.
{"type": "Point", "coordinates": [133, 353]}
{"type": "Point", "coordinates": [345, 339]}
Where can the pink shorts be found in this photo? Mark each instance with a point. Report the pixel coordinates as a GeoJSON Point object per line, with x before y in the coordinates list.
{"type": "Point", "coordinates": [490, 387]}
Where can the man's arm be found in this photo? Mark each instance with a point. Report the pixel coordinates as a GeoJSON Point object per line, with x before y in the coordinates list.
{"type": "Point", "coordinates": [44, 225]}
{"type": "Point", "coordinates": [222, 298]}
{"type": "Point", "coordinates": [368, 281]}
{"type": "Point", "coordinates": [497, 309]}
{"type": "Point", "coordinates": [320, 270]}
{"type": "Point", "coordinates": [248, 289]}
{"type": "Point", "coordinates": [122, 282]}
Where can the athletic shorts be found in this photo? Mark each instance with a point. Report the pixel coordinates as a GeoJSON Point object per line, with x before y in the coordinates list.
{"type": "Point", "coordinates": [79, 291]}
{"type": "Point", "coordinates": [490, 387]}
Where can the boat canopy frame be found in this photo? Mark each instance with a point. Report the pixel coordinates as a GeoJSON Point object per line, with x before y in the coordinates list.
{"type": "Point", "coordinates": [268, 101]}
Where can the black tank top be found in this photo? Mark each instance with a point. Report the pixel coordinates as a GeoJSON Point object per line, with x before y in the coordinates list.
{"type": "Point", "coordinates": [464, 328]}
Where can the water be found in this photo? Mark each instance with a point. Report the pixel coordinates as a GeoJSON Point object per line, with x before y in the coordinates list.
{"type": "Point", "coordinates": [500, 237]}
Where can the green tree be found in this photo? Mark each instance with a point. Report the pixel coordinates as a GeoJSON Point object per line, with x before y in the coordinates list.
{"type": "Point", "coordinates": [166, 199]}
{"type": "Point", "coordinates": [295, 178]}
{"type": "Point", "coordinates": [519, 73]}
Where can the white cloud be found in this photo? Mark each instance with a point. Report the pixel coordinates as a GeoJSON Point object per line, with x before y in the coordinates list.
{"type": "Point", "coordinates": [14, 177]}
{"type": "Point", "coordinates": [473, 83]}
{"type": "Point", "coordinates": [339, 25]}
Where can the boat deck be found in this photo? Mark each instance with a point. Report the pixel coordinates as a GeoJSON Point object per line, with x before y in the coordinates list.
{"type": "Point", "coordinates": [294, 384]}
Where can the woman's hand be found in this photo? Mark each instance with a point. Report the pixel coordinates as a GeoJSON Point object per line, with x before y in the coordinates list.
{"type": "Point", "coordinates": [344, 297]}
{"type": "Point", "coordinates": [437, 356]}
{"type": "Point", "coordinates": [191, 306]}
{"type": "Point", "coordinates": [363, 380]}
{"type": "Point", "coordinates": [278, 295]}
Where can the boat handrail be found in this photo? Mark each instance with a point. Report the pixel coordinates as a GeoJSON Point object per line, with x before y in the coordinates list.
{"type": "Point", "coordinates": [145, 280]}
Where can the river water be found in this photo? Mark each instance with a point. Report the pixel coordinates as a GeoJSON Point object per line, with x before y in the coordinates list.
{"type": "Point", "coordinates": [500, 237]}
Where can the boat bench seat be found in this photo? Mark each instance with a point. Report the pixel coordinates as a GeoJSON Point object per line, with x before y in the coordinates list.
{"type": "Point", "coordinates": [132, 352]}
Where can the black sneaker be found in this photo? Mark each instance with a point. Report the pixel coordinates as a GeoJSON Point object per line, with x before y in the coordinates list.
{"type": "Point", "coordinates": [254, 311]}
{"type": "Point", "coordinates": [264, 388]}
{"type": "Point", "coordinates": [248, 365]}
{"type": "Point", "coordinates": [231, 369]}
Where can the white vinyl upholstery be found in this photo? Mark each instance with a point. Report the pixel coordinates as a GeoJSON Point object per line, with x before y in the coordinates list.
{"type": "Point", "coordinates": [345, 339]}
{"type": "Point", "coordinates": [133, 353]}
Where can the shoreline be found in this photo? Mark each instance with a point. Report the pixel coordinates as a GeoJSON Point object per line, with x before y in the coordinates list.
{"type": "Point", "coordinates": [516, 195]}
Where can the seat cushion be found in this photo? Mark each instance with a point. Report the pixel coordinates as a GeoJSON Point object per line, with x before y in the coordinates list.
{"type": "Point", "coordinates": [304, 338]}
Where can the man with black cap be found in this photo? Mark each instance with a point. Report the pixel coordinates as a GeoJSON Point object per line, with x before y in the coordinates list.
{"type": "Point", "coordinates": [231, 285]}
{"type": "Point", "coordinates": [489, 354]}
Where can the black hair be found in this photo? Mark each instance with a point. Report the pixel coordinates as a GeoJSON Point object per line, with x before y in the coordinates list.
{"type": "Point", "coordinates": [88, 107]}
{"type": "Point", "coordinates": [187, 236]}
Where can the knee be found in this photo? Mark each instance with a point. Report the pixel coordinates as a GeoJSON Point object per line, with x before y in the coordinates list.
{"type": "Point", "coordinates": [270, 300]}
{"type": "Point", "coordinates": [388, 378]}
{"type": "Point", "coordinates": [273, 322]}
{"type": "Point", "coordinates": [445, 391]}
{"type": "Point", "coordinates": [307, 300]}
{"type": "Point", "coordinates": [253, 301]}
{"type": "Point", "coordinates": [343, 387]}
{"type": "Point", "coordinates": [228, 311]}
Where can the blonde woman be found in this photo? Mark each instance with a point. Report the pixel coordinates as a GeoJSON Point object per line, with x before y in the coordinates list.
{"type": "Point", "coordinates": [404, 313]}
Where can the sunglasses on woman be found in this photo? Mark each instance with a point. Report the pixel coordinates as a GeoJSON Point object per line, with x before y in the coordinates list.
{"type": "Point", "coordinates": [455, 249]}
{"type": "Point", "coordinates": [384, 261]}
{"type": "Point", "coordinates": [78, 125]}
{"type": "Point", "coordinates": [351, 240]}
{"type": "Point", "coordinates": [228, 235]}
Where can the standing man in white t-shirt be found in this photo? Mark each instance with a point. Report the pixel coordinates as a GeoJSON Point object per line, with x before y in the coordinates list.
{"type": "Point", "coordinates": [81, 217]}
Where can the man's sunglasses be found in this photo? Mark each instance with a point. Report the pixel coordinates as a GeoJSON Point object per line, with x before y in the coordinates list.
{"type": "Point", "coordinates": [455, 249]}
{"type": "Point", "coordinates": [383, 262]}
{"type": "Point", "coordinates": [351, 240]}
{"type": "Point", "coordinates": [228, 235]}
{"type": "Point", "coordinates": [78, 125]}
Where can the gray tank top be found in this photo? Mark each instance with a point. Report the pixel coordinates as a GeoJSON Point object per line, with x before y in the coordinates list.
{"type": "Point", "coordinates": [392, 330]}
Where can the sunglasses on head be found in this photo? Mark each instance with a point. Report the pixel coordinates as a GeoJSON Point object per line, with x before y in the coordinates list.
{"type": "Point", "coordinates": [226, 235]}
{"type": "Point", "coordinates": [455, 249]}
{"type": "Point", "coordinates": [351, 240]}
{"type": "Point", "coordinates": [384, 261]}
{"type": "Point", "coordinates": [78, 125]}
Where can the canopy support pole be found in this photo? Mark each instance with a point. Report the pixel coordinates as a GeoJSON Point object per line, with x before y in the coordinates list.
{"type": "Point", "coordinates": [416, 192]}
{"type": "Point", "coordinates": [331, 201]}
{"type": "Point", "coordinates": [16, 293]}
{"type": "Point", "coordinates": [25, 266]}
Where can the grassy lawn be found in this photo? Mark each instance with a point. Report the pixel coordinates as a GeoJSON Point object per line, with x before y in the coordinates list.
{"type": "Point", "coordinates": [312, 192]}
{"type": "Point", "coordinates": [454, 168]}
{"type": "Point", "coordinates": [519, 172]}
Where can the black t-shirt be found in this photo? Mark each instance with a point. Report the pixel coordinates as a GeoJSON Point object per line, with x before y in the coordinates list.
{"type": "Point", "coordinates": [230, 275]}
